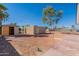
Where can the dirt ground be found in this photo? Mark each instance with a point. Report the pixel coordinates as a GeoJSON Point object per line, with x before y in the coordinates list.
{"type": "Point", "coordinates": [34, 45]}
{"type": "Point", "coordinates": [69, 46]}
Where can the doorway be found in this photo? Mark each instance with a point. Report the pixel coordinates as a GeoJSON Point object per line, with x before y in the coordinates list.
{"type": "Point", "coordinates": [11, 30]}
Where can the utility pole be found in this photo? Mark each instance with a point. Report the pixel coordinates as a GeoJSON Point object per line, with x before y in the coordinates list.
{"type": "Point", "coordinates": [77, 21]}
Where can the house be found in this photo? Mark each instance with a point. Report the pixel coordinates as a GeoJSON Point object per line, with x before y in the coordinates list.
{"type": "Point", "coordinates": [10, 29]}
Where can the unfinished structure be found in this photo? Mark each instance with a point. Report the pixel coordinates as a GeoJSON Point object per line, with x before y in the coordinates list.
{"type": "Point", "coordinates": [31, 30]}
{"type": "Point", "coordinates": [9, 30]}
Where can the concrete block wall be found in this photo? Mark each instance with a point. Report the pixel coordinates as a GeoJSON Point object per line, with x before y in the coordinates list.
{"type": "Point", "coordinates": [31, 30]}
{"type": "Point", "coordinates": [5, 30]}
{"type": "Point", "coordinates": [16, 31]}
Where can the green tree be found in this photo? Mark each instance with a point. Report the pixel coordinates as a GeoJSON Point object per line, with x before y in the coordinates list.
{"type": "Point", "coordinates": [3, 15]}
{"type": "Point", "coordinates": [51, 16]}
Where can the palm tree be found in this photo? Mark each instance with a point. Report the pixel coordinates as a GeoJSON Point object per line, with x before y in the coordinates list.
{"type": "Point", "coordinates": [51, 16]}
{"type": "Point", "coordinates": [3, 15]}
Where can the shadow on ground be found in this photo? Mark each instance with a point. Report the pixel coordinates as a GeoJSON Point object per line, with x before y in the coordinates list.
{"type": "Point", "coordinates": [36, 35]}
{"type": "Point", "coordinates": [41, 35]}
{"type": "Point", "coordinates": [6, 49]}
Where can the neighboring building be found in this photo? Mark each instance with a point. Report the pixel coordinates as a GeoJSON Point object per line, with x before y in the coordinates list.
{"type": "Point", "coordinates": [68, 29]}
{"type": "Point", "coordinates": [9, 30]}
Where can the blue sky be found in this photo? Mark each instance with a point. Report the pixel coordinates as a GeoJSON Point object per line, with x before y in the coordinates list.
{"type": "Point", "coordinates": [30, 13]}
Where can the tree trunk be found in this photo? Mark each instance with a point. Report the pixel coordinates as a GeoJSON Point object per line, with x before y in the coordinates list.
{"type": "Point", "coordinates": [0, 27]}
{"type": "Point", "coordinates": [53, 30]}
{"type": "Point", "coordinates": [0, 30]}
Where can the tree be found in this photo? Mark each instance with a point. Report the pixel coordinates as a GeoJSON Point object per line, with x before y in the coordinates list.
{"type": "Point", "coordinates": [3, 15]}
{"type": "Point", "coordinates": [51, 16]}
